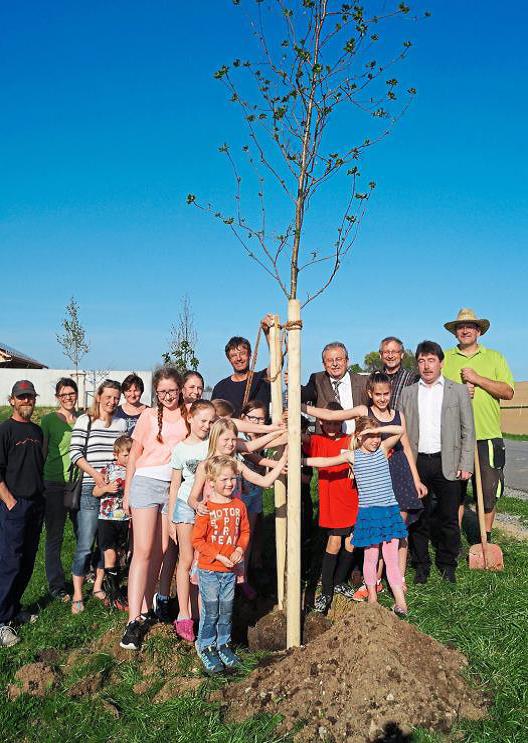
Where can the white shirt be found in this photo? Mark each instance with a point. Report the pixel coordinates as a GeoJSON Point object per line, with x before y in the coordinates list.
{"type": "Point", "coordinates": [430, 398]}
{"type": "Point", "coordinates": [345, 396]}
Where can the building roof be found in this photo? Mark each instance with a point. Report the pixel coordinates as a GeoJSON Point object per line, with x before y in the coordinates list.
{"type": "Point", "coordinates": [13, 359]}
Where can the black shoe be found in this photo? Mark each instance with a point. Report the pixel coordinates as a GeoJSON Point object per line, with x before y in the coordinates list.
{"type": "Point", "coordinates": [148, 618]}
{"type": "Point", "coordinates": [322, 604]}
{"type": "Point", "coordinates": [61, 594]}
{"type": "Point", "coordinates": [161, 609]}
{"type": "Point", "coordinates": [421, 577]}
{"type": "Point", "coordinates": [133, 636]}
{"type": "Point", "coordinates": [448, 574]}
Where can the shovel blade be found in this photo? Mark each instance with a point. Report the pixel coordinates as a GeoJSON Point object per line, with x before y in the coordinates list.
{"type": "Point", "coordinates": [494, 557]}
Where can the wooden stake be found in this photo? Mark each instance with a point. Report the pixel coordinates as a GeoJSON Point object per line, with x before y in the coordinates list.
{"type": "Point", "coordinates": [280, 485]}
{"type": "Point", "coordinates": [293, 593]}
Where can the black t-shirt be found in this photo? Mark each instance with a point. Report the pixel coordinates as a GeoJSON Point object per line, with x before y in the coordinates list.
{"type": "Point", "coordinates": [21, 458]}
{"type": "Point", "coordinates": [233, 392]}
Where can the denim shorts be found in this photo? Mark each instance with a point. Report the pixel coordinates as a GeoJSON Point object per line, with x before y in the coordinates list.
{"type": "Point", "coordinates": [183, 513]}
{"type": "Point", "coordinates": [146, 492]}
{"type": "Point", "coordinates": [252, 498]}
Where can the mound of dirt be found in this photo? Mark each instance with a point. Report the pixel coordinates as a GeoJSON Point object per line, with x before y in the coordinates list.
{"type": "Point", "coordinates": [269, 633]}
{"type": "Point", "coordinates": [35, 679]}
{"type": "Point", "coordinates": [368, 674]}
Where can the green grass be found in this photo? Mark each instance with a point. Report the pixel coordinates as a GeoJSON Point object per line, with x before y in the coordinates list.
{"type": "Point", "coordinates": [514, 506]}
{"type": "Point", "coordinates": [516, 436]}
{"type": "Point", "coordinates": [485, 615]}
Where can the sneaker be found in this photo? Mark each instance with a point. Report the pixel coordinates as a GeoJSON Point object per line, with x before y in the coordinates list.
{"type": "Point", "coordinates": [25, 617]}
{"type": "Point", "coordinates": [228, 657]}
{"type": "Point", "coordinates": [160, 607]}
{"type": "Point", "coordinates": [148, 618]}
{"type": "Point", "coordinates": [8, 636]}
{"type": "Point", "coordinates": [344, 589]}
{"type": "Point", "coordinates": [133, 636]}
{"type": "Point", "coordinates": [184, 628]}
{"type": "Point", "coordinates": [400, 612]}
{"type": "Point", "coordinates": [322, 603]}
{"type": "Point", "coordinates": [210, 659]}
{"type": "Point", "coordinates": [362, 593]}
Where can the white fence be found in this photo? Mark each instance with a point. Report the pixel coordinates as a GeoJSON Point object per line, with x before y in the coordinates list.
{"type": "Point", "coordinates": [45, 380]}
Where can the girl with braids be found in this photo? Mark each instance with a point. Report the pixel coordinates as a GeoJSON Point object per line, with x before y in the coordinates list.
{"type": "Point", "coordinates": [157, 432]}
{"type": "Point", "coordinates": [379, 524]}
{"type": "Point", "coordinates": [406, 483]}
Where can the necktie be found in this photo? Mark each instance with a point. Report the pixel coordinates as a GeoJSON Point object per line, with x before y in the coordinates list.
{"type": "Point", "coordinates": [336, 384]}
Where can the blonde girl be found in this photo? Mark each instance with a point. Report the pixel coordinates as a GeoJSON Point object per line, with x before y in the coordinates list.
{"type": "Point", "coordinates": [156, 434]}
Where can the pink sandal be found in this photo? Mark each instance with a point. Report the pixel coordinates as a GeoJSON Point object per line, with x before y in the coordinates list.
{"type": "Point", "coordinates": [184, 628]}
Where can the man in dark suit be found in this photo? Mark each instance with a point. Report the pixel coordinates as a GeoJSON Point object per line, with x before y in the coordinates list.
{"type": "Point", "coordinates": [441, 433]}
{"type": "Point", "coordinates": [335, 383]}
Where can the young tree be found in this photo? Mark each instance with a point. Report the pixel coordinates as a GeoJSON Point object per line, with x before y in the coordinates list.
{"type": "Point", "coordinates": [318, 72]}
{"type": "Point", "coordinates": [183, 340]}
{"type": "Point", "coordinates": [74, 342]}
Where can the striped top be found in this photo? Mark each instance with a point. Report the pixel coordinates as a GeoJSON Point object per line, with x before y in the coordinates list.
{"type": "Point", "coordinates": [373, 479]}
{"type": "Point", "coordinates": [100, 442]}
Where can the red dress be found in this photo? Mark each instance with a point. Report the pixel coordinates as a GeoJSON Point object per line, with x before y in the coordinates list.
{"type": "Point", "coordinates": [338, 496]}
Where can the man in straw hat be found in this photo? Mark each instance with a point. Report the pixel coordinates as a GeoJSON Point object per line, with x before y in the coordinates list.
{"type": "Point", "coordinates": [489, 380]}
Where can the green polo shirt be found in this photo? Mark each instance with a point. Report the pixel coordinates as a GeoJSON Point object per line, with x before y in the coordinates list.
{"type": "Point", "coordinates": [487, 363]}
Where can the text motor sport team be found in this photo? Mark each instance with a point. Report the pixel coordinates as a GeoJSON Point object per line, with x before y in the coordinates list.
{"type": "Point", "coordinates": [431, 421]}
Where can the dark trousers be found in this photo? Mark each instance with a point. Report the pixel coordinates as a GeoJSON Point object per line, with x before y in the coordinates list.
{"type": "Point", "coordinates": [55, 519]}
{"type": "Point", "coordinates": [20, 530]}
{"type": "Point", "coordinates": [447, 497]}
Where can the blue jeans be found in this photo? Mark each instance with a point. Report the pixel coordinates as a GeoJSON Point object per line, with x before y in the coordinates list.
{"type": "Point", "coordinates": [217, 591]}
{"type": "Point", "coordinates": [87, 520]}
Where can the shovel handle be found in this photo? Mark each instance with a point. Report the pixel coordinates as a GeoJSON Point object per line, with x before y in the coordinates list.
{"type": "Point", "coordinates": [480, 507]}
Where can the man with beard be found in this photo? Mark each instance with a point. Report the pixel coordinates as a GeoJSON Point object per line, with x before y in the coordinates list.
{"type": "Point", "coordinates": [21, 506]}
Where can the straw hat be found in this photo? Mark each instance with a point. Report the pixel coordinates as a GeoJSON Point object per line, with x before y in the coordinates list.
{"type": "Point", "coordinates": [467, 315]}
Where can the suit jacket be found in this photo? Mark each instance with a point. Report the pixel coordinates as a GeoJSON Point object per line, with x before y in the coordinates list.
{"type": "Point", "coordinates": [457, 426]}
{"type": "Point", "coordinates": [319, 391]}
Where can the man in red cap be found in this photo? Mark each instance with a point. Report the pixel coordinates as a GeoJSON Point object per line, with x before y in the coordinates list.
{"type": "Point", "coordinates": [21, 506]}
{"type": "Point", "coordinates": [489, 380]}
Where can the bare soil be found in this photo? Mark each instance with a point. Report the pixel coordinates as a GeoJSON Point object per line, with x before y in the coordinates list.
{"type": "Point", "coordinates": [35, 679]}
{"type": "Point", "coordinates": [369, 674]}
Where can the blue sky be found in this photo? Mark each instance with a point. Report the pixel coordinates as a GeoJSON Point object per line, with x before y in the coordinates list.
{"type": "Point", "coordinates": [111, 115]}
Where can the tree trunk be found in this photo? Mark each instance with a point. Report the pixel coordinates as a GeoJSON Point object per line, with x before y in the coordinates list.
{"type": "Point", "coordinates": [280, 485]}
{"type": "Point", "coordinates": [293, 594]}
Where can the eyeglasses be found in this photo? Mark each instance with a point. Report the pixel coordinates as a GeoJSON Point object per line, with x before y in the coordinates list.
{"type": "Point", "coordinates": [162, 394]}
{"type": "Point", "coordinates": [67, 395]}
{"type": "Point", "coordinates": [337, 360]}
{"type": "Point", "coordinates": [255, 418]}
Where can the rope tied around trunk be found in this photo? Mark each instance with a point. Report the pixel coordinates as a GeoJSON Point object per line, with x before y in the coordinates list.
{"type": "Point", "coordinates": [290, 325]}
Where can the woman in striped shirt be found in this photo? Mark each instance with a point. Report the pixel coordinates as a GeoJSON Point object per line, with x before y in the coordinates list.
{"type": "Point", "coordinates": [99, 443]}
{"type": "Point", "coordinates": [379, 523]}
